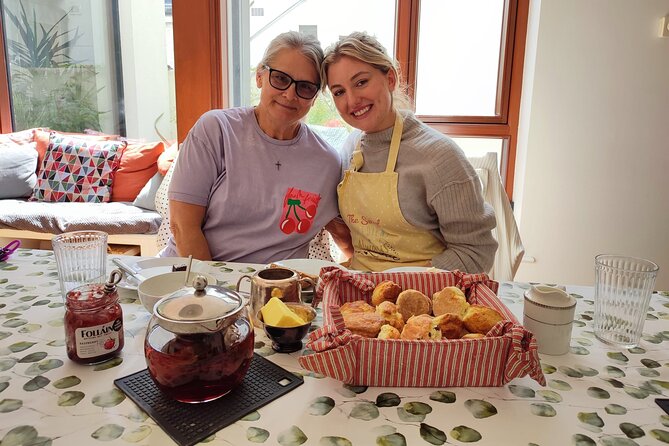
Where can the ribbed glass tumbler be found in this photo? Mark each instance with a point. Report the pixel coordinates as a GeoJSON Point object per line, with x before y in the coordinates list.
{"type": "Point", "coordinates": [81, 258]}
{"type": "Point", "coordinates": [623, 286]}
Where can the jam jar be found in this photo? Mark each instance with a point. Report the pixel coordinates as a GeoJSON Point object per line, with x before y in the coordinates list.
{"type": "Point", "coordinates": [94, 321]}
{"type": "Point", "coordinates": [199, 342]}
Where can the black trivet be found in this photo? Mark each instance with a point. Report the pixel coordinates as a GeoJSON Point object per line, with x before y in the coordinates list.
{"type": "Point", "coordinates": [189, 423]}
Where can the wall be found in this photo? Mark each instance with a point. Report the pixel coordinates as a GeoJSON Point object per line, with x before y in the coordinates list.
{"type": "Point", "coordinates": [593, 143]}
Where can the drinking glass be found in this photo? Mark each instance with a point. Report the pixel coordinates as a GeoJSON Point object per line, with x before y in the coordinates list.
{"type": "Point", "coordinates": [623, 286]}
{"type": "Point", "coordinates": [81, 258]}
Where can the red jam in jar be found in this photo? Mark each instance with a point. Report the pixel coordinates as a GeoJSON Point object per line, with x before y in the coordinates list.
{"type": "Point", "coordinates": [94, 322]}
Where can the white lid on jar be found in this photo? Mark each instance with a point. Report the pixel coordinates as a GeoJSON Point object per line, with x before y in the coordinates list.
{"type": "Point", "coordinates": [549, 304]}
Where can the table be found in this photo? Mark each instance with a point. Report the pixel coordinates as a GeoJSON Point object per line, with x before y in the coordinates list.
{"type": "Point", "coordinates": [595, 395]}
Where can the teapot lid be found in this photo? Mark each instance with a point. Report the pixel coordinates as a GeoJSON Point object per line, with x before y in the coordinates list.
{"type": "Point", "coordinates": [197, 308]}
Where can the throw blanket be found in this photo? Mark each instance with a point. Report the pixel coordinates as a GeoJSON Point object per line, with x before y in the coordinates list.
{"type": "Point", "coordinates": [54, 218]}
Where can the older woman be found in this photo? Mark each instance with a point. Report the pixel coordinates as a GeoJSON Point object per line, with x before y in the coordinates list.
{"type": "Point", "coordinates": [410, 197]}
{"type": "Point", "coordinates": [254, 184]}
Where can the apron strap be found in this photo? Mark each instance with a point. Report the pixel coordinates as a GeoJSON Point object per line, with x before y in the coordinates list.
{"type": "Point", "coordinates": [395, 143]}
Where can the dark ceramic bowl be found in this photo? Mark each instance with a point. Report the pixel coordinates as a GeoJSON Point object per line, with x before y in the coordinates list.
{"type": "Point", "coordinates": [289, 339]}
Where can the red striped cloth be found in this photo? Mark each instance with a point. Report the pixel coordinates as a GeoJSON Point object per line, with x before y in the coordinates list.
{"type": "Point", "coordinates": [509, 351]}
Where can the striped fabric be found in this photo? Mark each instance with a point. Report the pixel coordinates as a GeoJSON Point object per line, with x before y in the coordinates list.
{"type": "Point", "coordinates": [509, 351]}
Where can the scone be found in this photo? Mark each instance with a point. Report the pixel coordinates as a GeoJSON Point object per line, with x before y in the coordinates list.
{"type": "Point", "coordinates": [449, 300]}
{"type": "Point", "coordinates": [386, 291]}
{"type": "Point", "coordinates": [364, 324]}
{"type": "Point", "coordinates": [473, 336]}
{"type": "Point", "coordinates": [358, 306]}
{"type": "Point", "coordinates": [421, 327]}
{"type": "Point", "coordinates": [388, 311]}
{"type": "Point", "coordinates": [389, 332]}
{"type": "Point", "coordinates": [412, 303]}
{"type": "Point", "coordinates": [480, 319]}
{"type": "Point", "coordinates": [450, 325]}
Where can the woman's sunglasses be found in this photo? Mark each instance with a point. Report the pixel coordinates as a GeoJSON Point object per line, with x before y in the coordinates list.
{"type": "Point", "coordinates": [282, 81]}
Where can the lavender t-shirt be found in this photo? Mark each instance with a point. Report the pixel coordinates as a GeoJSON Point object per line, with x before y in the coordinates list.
{"type": "Point", "coordinates": [265, 198]}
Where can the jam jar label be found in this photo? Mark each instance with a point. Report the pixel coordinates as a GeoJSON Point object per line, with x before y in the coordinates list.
{"type": "Point", "coordinates": [98, 340]}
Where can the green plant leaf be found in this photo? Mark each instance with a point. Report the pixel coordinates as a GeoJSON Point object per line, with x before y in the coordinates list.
{"type": "Point", "coordinates": [9, 405]}
{"type": "Point", "coordinates": [293, 436]}
{"type": "Point", "coordinates": [112, 398]}
{"type": "Point", "coordinates": [364, 411]}
{"type": "Point", "coordinates": [443, 396]}
{"type": "Point", "coordinates": [36, 383]}
{"type": "Point", "coordinates": [321, 406]}
{"type": "Point", "coordinates": [590, 418]}
{"type": "Point", "coordinates": [521, 391]}
{"type": "Point", "coordinates": [70, 398]}
{"type": "Point", "coordinates": [256, 435]}
{"type": "Point", "coordinates": [388, 399]}
{"type": "Point", "coordinates": [395, 439]}
{"type": "Point", "coordinates": [480, 408]}
{"type": "Point", "coordinates": [542, 410]}
{"type": "Point", "coordinates": [431, 434]}
{"type": "Point", "coordinates": [108, 432]}
{"type": "Point", "coordinates": [465, 434]}
{"type": "Point", "coordinates": [334, 441]}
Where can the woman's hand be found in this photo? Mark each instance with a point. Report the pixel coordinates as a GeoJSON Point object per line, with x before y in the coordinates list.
{"type": "Point", "coordinates": [186, 226]}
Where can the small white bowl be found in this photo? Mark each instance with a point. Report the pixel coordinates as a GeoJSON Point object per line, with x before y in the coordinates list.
{"type": "Point", "coordinates": [155, 288]}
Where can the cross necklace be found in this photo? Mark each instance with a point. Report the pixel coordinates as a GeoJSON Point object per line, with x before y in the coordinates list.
{"type": "Point", "coordinates": [278, 165]}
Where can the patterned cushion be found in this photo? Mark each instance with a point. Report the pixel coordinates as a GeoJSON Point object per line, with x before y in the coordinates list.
{"type": "Point", "coordinates": [77, 170]}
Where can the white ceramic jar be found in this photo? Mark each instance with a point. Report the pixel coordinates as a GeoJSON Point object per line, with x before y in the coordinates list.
{"type": "Point", "coordinates": [549, 314]}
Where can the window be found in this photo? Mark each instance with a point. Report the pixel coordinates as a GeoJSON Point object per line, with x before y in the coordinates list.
{"type": "Point", "coordinates": [91, 65]}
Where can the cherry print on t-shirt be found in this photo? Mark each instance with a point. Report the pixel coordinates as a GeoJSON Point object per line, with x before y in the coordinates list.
{"type": "Point", "coordinates": [299, 209]}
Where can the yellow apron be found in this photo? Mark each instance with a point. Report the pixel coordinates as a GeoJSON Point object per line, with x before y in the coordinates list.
{"type": "Point", "coordinates": [369, 204]}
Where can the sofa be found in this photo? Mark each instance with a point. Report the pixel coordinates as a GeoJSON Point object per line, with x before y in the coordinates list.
{"type": "Point", "coordinates": [53, 182]}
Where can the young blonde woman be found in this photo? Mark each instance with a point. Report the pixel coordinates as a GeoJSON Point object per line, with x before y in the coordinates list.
{"type": "Point", "coordinates": [409, 195]}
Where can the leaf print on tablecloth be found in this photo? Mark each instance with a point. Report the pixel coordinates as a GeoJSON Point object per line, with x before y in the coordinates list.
{"type": "Point", "coordinates": [356, 389]}
{"type": "Point", "coordinates": [6, 363]}
{"type": "Point", "coordinates": [109, 399]}
{"type": "Point", "coordinates": [597, 392]}
{"type": "Point", "coordinates": [443, 396]}
{"type": "Point", "coordinates": [56, 343]}
{"type": "Point", "coordinates": [660, 435]}
{"type": "Point", "coordinates": [292, 436]}
{"type": "Point", "coordinates": [253, 416]}
{"type": "Point", "coordinates": [365, 411]}
{"type": "Point", "coordinates": [395, 439]}
{"type": "Point", "coordinates": [542, 410]}
{"type": "Point", "coordinates": [558, 384]}
{"type": "Point", "coordinates": [29, 328]}
{"type": "Point", "coordinates": [648, 373]}
{"type": "Point", "coordinates": [321, 406]}
{"type": "Point", "coordinates": [247, 269]}
{"type": "Point", "coordinates": [43, 366]}
{"type": "Point", "coordinates": [632, 430]}
{"type": "Point", "coordinates": [521, 391]}
{"type": "Point", "coordinates": [617, 356]}
{"type": "Point", "coordinates": [7, 293]}
{"type": "Point", "coordinates": [109, 364]}
{"type": "Point", "coordinates": [70, 398]}
{"type": "Point", "coordinates": [548, 369]}
{"type": "Point", "coordinates": [108, 432]}
{"type": "Point", "coordinates": [28, 298]}
{"type": "Point", "coordinates": [570, 372]}
{"type": "Point", "coordinates": [36, 383]}
{"type": "Point", "coordinates": [432, 435]}
{"type": "Point", "coordinates": [334, 441]}
{"type": "Point", "coordinates": [614, 382]}
{"type": "Point", "coordinates": [587, 371]}
{"type": "Point", "coordinates": [137, 435]}
{"type": "Point", "coordinates": [33, 357]}
{"type": "Point", "coordinates": [550, 396]}
{"type": "Point", "coordinates": [388, 399]}
{"type": "Point", "coordinates": [635, 392]}
{"type": "Point", "coordinates": [409, 417]}
{"type": "Point", "coordinates": [3, 385]}
{"type": "Point", "coordinates": [13, 323]}
{"type": "Point", "coordinates": [9, 405]}
{"type": "Point", "coordinates": [614, 371]}
{"type": "Point", "coordinates": [577, 350]}
{"type": "Point", "coordinates": [652, 387]}
{"type": "Point", "coordinates": [465, 434]}
{"type": "Point", "coordinates": [41, 302]}
{"type": "Point", "coordinates": [55, 305]}
{"type": "Point", "coordinates": [615, 409]}
{"type": "Point", "coordinates": [24, 435]}
{"type": "Point", "coordinates": [582, 440]}
{"type": "Point", "coordinates": [650, 363]}
{"type": "Point", "coordinates": [11, 315]}
{"type": "Point", "coordinates": [615, 441]}
{"type": "Point", "coordinates": [256, 435]}
{"type": "Point", "coordinates": [590, 418]}
{"type": "Point", "coordinates": [653, 339]}
{"type": "Point", "coordinates": [480, 408]}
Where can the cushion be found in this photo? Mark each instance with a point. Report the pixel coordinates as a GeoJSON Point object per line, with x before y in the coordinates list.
{"type": "Point", "coordinates": [167, 158]}
{"type": "Point", "coordinates": [146, 198]}
{"type": "Point", "coordinates": [77, 170]}
{"type": "Point", "coordinates": [43, 136]}
{"type": "Point", "coordinates": [18, 164]}
{"type": "Point", "coordinates": [138, 166]}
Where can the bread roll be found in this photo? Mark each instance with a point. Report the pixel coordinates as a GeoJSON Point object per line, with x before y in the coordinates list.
{"type": "Point", "coordinates": [480, 319]}
{"type": "Point", "coordinates": [449, 300]}
{"type": "Point", "coordinates": [389, 332]}
{"type": "Point", "coordinates": [473, 336]}
{"type": "Point", "coordinates": [413, 303]}
{"type": "Point", "coordinates": [450, 325]}
{"type": "Point", "coordinates": [386, 291]}
{"type": "Point", "coordinates": [358, 306]}
{"type": "Point", "coordinates": [421, 327]}
{"type": "Point", "coordinates": [364, 324]}
{"type": "Point", "coordinates": [388, 311]}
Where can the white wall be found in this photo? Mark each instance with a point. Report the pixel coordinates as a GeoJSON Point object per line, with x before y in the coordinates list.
{"type": "Point", "coordinates": [594, 138]}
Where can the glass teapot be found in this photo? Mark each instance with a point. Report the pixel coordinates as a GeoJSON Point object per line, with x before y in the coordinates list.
{"type": "Point", "coordinates": [199, 343]}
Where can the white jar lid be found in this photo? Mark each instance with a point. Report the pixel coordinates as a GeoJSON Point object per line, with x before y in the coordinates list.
{"type": "Point", "coordinates": [549, 304]}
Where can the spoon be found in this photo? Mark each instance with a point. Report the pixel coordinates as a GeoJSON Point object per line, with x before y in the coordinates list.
{"type": "Point", "coordinates": [128, 270]}
{"type": "Point", "coordinates": [190, 262]}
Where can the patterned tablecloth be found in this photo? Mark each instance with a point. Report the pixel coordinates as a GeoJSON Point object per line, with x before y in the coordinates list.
{"type": "Point", "coordinates": [595, 395]}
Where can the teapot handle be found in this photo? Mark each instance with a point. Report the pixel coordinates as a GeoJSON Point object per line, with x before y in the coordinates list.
{"type": "Point", "coordinates": [239, 282]}
{"type": "Point", "coordinates": [311, 282]}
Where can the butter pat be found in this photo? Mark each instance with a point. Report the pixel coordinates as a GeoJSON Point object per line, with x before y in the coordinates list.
{"type": "Point", "coordinates": [275, 313]}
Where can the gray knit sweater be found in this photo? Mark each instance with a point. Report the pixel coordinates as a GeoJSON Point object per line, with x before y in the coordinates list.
{"type": "Point", "coordinates": [438, 191]}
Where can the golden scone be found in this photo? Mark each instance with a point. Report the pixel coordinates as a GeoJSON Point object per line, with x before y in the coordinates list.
{"type": "Point", "coordinates": [388, 311]}
{"type": "Point", "coordinates": [450, 325]}
{"type": "Point", "coordinates": [473, 336]}
{"type": "Point", "coordinates": [364, 324]}
{"type": "Point", "coordinates": [386, 291]}
{"type": "Point", "coordinates": [449, 300]}
{"type": "Point", "coordinates": [480, 319]}
{"type": "Point", "coordinates": [421, 327]}
{"type": "Point", "coordinates": [389, 332]}
{"type": "Point", "coordinates": [412, 303]}
{"type": "Point", "coordinates": [358, 306]}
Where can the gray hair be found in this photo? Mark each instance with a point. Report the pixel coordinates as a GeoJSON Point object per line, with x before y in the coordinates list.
{"type": "Point", "coordinates": [368, 49]}
{"type": "Point", "coordinates": [308, 45]}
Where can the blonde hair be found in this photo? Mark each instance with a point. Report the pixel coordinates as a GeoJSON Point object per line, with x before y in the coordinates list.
{"type": "Point", "coordinates": [308, 45]}
{"type": "Point", "coordinates": [368, 49]}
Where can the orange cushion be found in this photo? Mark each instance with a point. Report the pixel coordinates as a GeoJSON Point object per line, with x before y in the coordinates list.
{"type": "Point", "coordinates": [167, 158]}
{"type": "Point", "coordinates": [138, 165]}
